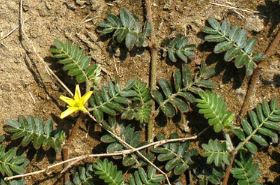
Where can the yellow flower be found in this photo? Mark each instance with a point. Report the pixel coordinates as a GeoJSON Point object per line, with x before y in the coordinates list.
{"type": "Point", "coordinates": [75, 104]}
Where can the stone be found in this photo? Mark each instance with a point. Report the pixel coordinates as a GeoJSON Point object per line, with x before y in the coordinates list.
{"type": "Point", "coordinates": [254, 23]}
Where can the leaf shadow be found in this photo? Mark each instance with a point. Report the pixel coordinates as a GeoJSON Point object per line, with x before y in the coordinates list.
{"type": "Point", "coordinates": [275, 81]}
{"type": "Point", "coordinates": [228, 70]}
{"type": "Point", "coordinates": [270, 11]}
{"type": "Point", "coordinates": [275, 167]}
{"type": "Point", "coordinates": [198, 123]}
{"type": "Point", "coordinates": [31, 152]}
{"type": "Point", "coordinates": [119, 49]}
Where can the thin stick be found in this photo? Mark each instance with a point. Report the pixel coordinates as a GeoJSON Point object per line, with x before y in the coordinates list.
{"type": "Point", "coordinates": [48, 69]}
{"type": "Point", "coordinates": [21, 19]}
{"type": "Point", "coordinates": [234, 8]}
{"type": "Point", "coordinates": [83, 157]}
{"type": "Point", "coordinates": [256, 74]}
{"type": "Point", "coordinates": [26, 47]}
{"type": "Point", "coordinates": [153, 71]}
{"type": "Point", "coordinates": [65, 152]}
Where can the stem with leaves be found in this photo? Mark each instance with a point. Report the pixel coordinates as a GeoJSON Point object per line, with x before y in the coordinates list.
{"type": "Point", "coordinates": [256, 75]}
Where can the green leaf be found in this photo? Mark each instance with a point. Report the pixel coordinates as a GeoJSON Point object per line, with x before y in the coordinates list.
{"type": "Point", "coordinates": [126, 28]}
{"type": "Point", "coordinates": [83, 175]}
{"type": "Point", "coordinates": [75, 62]}
{"type": "Point", "coordinates": [215, 111]}
{"type": "Point", "coordinates": [109, 100]}
{"type": "Point", "coordinates": [129, 135]}
{"type": "Point", "coordinates": [146, 178]}
{"type": "Point", "coordinates": [141, 106]}
{"type": "Point", "coordinates": [108, 172]}
{"type": "Point", "coordinates": [178, 157]}
{"type": "Point", "coordinates": [246, 171]}
{"type": "Point", "coordinates": [11, 163]}
{"type": "Point", "coordinates": [234, 42]}
{"type": "Point", "coordinates": [33, 130]}
{"type": "Point", "coordinates": [179, 48]}
{"type": "Point", "coordinates": [12, 182]}
{"type": "Point", "coordinates": [261, 127]}
{"type": "Point", "coordinates": [176, 97]}
{"type": "Point", "coordinates": [216, 152]}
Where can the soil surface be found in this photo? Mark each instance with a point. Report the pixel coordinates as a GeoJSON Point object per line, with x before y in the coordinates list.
{"type": "Point", "coordinates": [26, 88]}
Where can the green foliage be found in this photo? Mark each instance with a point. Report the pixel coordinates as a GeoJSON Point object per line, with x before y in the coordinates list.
{"type": "Point", "coordinates": [131, 102]}
{"type": "Point", "coordinates": [82, 176]}
{"type": "Point", "coordinates": [129, 135]}
{"type": "Point", "coordinates": [179, 47]}
{"type": "Point", "coordinates": [12, 182]}
{"type": "Point", "coordinates": [110, 100]}
{"type": "Point", "coordinates": [11, 163]}
{"type": "Point", "coordinates": [126, 28]}
{"type": "Point", "coordinates": [75, 62]}
{"type": "Point", "coordinates": [207, 176]}
{"type": "Point", "coordinates": [175, 97]}
{"type": "Point", "coordinates": [276, 1]}
{"type": "Point", "coordinates": [141, 177]}
{"type": "Point", "coordinates": [263, 123]}
{"type": "Point", "coordinates": [2, 138]}
{"type": "Point", "coordinates": [246, 171]}
{"type": "Point", "coordinates": [33, 130]}
{"type": "Point", "coordinates": [177, 156]}
{"type": "Point", "coordinates": [216, 152]}
{"type": "Point", "coordinates": [215, 110]}
{"type": "Point", "coordinates": [141, 106]}
{"type": "Point", "coordinates": [234, 42]}
{"type": "Point", "coordinates": [108, 172]}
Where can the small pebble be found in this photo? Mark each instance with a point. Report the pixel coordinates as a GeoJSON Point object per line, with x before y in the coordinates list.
{"type": "Point", "coordinates": [254, 23]}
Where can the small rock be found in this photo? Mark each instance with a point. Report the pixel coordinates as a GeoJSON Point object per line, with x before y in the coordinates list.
{"type": "Point", "coordinates": [117, 52]}
{"type": "Point", "coordinates": [240, 92]}
{"type": "Point", "coordinates": [80, 2]}
{"type": "Point", "coordinates": [254, 23]}
{"type": "Point", "coordinates": [54, 87]}
{"type": "Point", "coordinates": [6, 87]}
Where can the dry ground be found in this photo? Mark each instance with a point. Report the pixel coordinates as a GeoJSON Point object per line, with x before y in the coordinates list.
{"type": "Point", "coordinates": [27, 89]}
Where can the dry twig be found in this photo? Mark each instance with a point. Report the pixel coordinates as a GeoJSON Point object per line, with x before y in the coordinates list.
{"type": "Point", "coordinates": [83, 157]}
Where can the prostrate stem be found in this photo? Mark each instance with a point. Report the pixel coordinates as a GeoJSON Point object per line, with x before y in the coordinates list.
{"type": "Point", "coordinates": [256, 74]}
{"type": "Point", "coordinates": [82, 157]}
{"type": "Point", "coordinates": [153, 69]}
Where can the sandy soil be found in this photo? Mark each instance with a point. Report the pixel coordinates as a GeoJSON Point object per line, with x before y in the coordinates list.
{"type": "Point", "coordinates": [27, 89]}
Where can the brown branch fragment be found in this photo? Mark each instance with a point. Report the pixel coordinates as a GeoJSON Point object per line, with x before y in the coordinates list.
{"type": "Point", "coordinates": [153, 69]}
{"type": "Point", "coordinates": [83, 157]}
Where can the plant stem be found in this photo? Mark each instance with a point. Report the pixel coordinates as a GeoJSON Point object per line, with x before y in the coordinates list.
{"type": "Point", "coordinates": [256, 74]}
{"type": "Point", "coordinates": [229, 167]}
{"type": "Point", "coordinates": [229, 142]}
{"type": "Point", "coordinates": [153, 69]}
{"type": "Point", "coordinates": [66, 176]}
{"type": "Point", "coordinates": [118, 153]}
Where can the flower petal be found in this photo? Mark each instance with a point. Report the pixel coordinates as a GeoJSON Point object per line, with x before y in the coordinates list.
{"type": "Point", "coordinates": [67, 100]}
{"type": "Point", "coordinates": [86, 96]}
{"type": "Point", "coordinates": [68, 111]}
{"type": "Point", "coordinates": [77, 95]}
{"type": "Point", "coordinates": [83, 109]}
